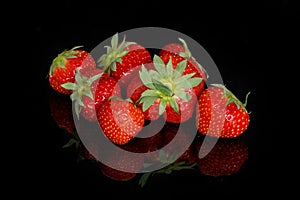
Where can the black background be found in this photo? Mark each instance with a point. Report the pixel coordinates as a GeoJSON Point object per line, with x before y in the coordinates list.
{"type": "Point", "coordinates": [244, 40]}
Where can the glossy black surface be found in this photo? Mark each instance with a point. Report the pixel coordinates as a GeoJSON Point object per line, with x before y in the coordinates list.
{"type": "Point", "coordinates": [237, 40]}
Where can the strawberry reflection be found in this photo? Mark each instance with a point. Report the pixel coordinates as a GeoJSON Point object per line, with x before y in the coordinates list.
{"type": "Point", "coordinates": [61, 111]}
{"type": "Point", "coordinates": [226, 157]}
{"type": "Point", "coordinates": [173, 155]}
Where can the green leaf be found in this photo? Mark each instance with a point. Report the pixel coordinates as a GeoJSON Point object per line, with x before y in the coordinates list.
{"type": "Point", "coordinates": [188, 76]}
{"type": "Point", "coordinates": [159, 65]}
{"type": "Point", "coordinates": [150, 93]}
{"type": "Point", "coordinates": [108, 49]}
{"type": "Point", "coordinates": [162, 156]}
{"type": "Point", "coordinates": [162, 88]}
{"type": "Point", "coordinates": [183, 95]}
{"type": "Point", "coordinates": [174, 105]}
{"type": "Point", "coordinates": [146, 165]}
{"type": "Point", "coordinates": [113, 66]}
{"type": "Point", "coordinates": [100, 60]}
{"type": "Point", "coordinates": [145, 77]}
{"type": "Point", "coordinates": [144, 178]}
{"type": "Point", "coordinates": [181, 67]}
{"type": "Point", "coordinates": [123, 53]}
{"type": "Point", "coordinates": [89, 94]}
{"type": "Point", "coordinates": [246, 99]}
{"type": "Point", "coordinates": [94, 78]}
{"type": "Point", "coordinates": [154, 74]}
{"type": "Point", "coordinates": [77, 109]}
{"type": "Point", "coordinates": [187, 82]}
{"type": "Point", "coordinates": [114, 41]}
{"type": "Point", "coordinates": [187, 52]}
{"type": "Point", "coordinates": [162, 106]}
{"type": "Point", "coordinates": [69, 86]}
{"type": "Point", "coordinates": [147, 102]}
{"type": "Point", "coordinates": [169, 69]}
{"type": "Point", "coordinates": [71, 142]}
{"type": "Point", "coordinates": [193, 82]}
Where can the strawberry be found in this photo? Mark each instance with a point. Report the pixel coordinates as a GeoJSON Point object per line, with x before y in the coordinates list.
{"type": "Point", "coordinates": [172, 90]}
{"type": "Point", "coordinates": [220, 113]}
{"type": "Point", "coordinates": [180, 52]}
{"type": "Point", "coordinates": [226, 157]}
{"type": "Point", "coordinates": [61, 111]}
{"type": "Point", "coordinates": [120, 120]}
{"type": "Point", "coordinates": [122, 58]}
{"type": "Point", "coordinates": [62, 69]}
{"type": "Point", "coordinates": [150, 139]}
{"type": "Point", "coordinates": [90, 90]}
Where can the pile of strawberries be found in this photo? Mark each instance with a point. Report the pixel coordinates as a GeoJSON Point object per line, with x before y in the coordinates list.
{"type": "Point", "coordinates": [127, 86]}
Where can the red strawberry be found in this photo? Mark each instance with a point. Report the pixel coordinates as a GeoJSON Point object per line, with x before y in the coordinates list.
{"type": "Point", "coordinates": [226, 157]}
{"type": "Point", "coordinates": [220, 113]}
{"type": "Point", "coordinates": [149, 139]}
{"type": "Point", "coordinates": [62, 69]}
{"type": "Point", "coordinates": [120, 120]}
{"type": "Point", "coordinates": [61, 111]}
{"type": "Point", "coordinates": [171, 89]}
{"type": "Point", "coordinates": [122, 59]}
{"type": "Point", "coordinates": [90, 90]}
{"type": "Point", "coordinates": [180, 52]}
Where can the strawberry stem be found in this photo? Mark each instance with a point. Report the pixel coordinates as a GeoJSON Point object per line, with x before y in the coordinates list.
{"type": "Point", "coordinates": [231, 98]}
{"type": "Point", "coordinates": [166, 84]}
{"type": "Point", "coordinates": [187, 54]}
{"type": "Point", "coordinates": [81, 87]}
{"type": "Point", "coordinates": [61, 58]}
{"type": "Point", "coordinates": [114, 54]}
{"type": "Point", "coordinates": [246, 99]}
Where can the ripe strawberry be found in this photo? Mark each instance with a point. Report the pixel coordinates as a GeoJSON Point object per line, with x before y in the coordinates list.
{"type": "Point", "coordinates": [120, 120]}
{"type": "Point", "coordinates": [225, 158]}
{"type": "Point", "coordinates": [61, 111]}
{"type": "Point", "coordinates": [150, 139]}
{"type": "Point", "coordinates": [171, 89]}
{"type": "Point", "coordinates": [90, 90]}
{"type": "Point", "coordinates": [62, 69]}
{"type": "Point", "coordinates": [220, 113]}
{"type": "Point", "coordinates": [122, 58]}
{"type": "Point", "coordinates": [180, 52]}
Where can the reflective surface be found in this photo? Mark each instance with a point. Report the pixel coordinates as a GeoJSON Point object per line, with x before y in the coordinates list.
{"type": "Point", "coordinates": [230, 163]}
{"type": "Point", "coordinates": [223, 158]}
{"type": "Point", "coordinates": [238, 44]}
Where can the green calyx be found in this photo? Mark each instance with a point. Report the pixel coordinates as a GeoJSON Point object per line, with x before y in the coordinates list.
{"type": "Point", "coordinates": [166, 84]}
{"type": "Point", "coordinates": [61, 58]}
{"type": "Point", "coordinates": [231, 98]}
{"type": "Point", "coordinates": [171, 165]}
{"type": "Point", "coordinates": [114, 54]}
{"type": "Point", "coordinates": [81, 87]}
{"type": "Point", "coordinates": [187, 54]}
